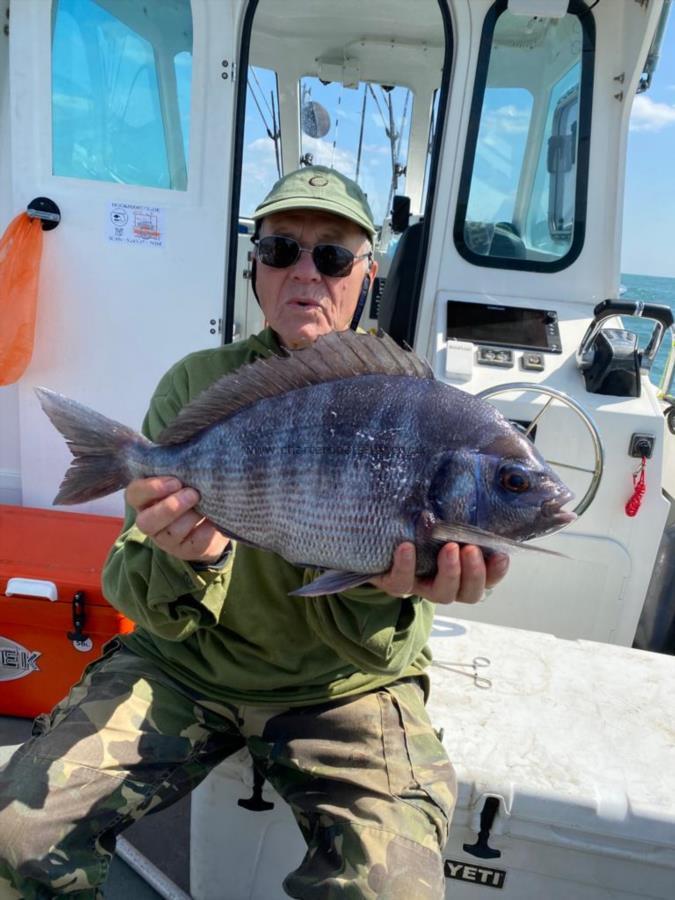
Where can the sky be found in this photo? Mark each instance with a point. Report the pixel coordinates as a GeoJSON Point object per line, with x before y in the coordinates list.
{"type": "Point", "coordinates": [648, 246]}
{"type": "Point", "coordinates": [364, 155]}
{"type": "Point", "coordinates": [649, 203]}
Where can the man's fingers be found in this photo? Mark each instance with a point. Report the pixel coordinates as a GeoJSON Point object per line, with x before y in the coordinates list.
{"type": "Point", "coordinates": [194, 538]}
{"type": "Point", "coordinates": [447, 583]}
{"type": "Point", "coordinates": [497, 566]}
{"type": "Point", "coordinates": [143, 492]}
{"type": "Point", "coordinates": [462, 574]}
{"type": "Point", "coordinates": [164, 513]}
{"type": "Point", "coordinates": [472, 585]}
{"type": "Point", "coordinates": [402, 574]}
{"type": "Point", "coordinates": [203, 541]}
{"type": "Point", "coordinates": [400, 579]}
{"type": "Point", "coordinates": [178, 530]}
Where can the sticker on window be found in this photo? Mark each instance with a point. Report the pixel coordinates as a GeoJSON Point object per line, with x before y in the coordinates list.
{"type": "Point", "coordinates": [16, 661]}
{"type": "Point", "coordinates": [129, 223]}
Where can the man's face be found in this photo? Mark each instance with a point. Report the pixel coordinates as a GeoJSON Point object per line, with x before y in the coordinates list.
{"type": "Point", "coordinates": [298, 302]}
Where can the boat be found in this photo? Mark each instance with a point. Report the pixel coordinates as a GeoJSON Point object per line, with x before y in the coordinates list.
{"type": "Point", "coordinates": [490, 138]}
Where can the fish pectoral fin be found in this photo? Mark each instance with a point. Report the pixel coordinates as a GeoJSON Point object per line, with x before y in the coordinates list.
{"type": "Point", "coordinates": [469, 534]}
{"type": "Point", "coordinates": [332, 581]}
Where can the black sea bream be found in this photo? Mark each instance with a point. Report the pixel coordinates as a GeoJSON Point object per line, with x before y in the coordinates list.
{"type": "Point", "coordinates": [331, 456]}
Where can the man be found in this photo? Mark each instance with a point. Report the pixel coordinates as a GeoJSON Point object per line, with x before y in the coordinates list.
{"type": "Point", "coordinates": [327, 693]}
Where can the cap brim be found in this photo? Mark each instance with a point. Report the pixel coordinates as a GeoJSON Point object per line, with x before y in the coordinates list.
{"type": "Point", "coordinates": [331, 206]}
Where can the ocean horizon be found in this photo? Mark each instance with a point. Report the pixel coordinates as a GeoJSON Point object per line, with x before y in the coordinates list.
{"type": "Point", "coordinates": [649, 289]}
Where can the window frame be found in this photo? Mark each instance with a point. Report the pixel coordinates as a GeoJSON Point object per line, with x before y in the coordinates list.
{"type": "Point", "coordinates": [581, 11]}
{"type": "Point", "coordinates": [557, 182]}
{"type": "Point", "coordinates": [238, 150]}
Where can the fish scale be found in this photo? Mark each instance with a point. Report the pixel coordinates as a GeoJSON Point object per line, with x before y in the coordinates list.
{"type": "Point", "coordinates": [331, 456]}
{"type": "Point", "coordinates": [276, 484]}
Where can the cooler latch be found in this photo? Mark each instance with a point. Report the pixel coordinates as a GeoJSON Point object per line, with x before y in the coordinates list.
{"type": "Point", "coordinates": [481, 848]}
{"type": "Point", "coordinates": [79, 639]}
{"type": "Point", "coordinates": [256, 802]}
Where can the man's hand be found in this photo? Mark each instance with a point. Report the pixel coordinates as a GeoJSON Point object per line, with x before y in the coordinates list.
{"type": "Point", "coordinates": [164, 511]}
{"type": "Point", "coordinates": [463, 575]}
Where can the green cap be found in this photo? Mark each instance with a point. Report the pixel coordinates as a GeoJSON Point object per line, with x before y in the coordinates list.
{"type": "Point", "coordinates": [320, 188]}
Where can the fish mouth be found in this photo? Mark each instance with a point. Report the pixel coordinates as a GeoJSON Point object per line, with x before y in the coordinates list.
{"type": "Point", "coordinates": [561, 517]}
{"type": "Point", "coordinates": [554, 515]}
{"type": "Point", "coordinates": [551, 517]}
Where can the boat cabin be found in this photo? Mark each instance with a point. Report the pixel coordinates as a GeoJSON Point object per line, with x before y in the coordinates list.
{"type": "Point", "coordinates": [490, 138]}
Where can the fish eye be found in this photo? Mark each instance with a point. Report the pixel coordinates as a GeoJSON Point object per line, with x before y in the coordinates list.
{"type": "Point", "coordinates": [514, 479]}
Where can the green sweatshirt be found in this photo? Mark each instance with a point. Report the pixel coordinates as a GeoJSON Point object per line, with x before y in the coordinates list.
{"type": "Point", "coordinates": [234, 633]}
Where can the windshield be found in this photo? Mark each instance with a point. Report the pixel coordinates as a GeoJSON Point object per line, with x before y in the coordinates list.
{"type": "Point", "coordinates": [522, 197]}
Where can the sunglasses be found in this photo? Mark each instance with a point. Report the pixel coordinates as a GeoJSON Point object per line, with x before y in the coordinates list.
{"type": "Point", "coordinates": [329, 259]}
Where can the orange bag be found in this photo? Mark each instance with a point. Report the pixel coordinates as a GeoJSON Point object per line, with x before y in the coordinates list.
{"type": "Point", "coordinates": [20, 253]}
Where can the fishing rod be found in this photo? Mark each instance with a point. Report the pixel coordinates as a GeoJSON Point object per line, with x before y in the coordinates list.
{"type": "Point", "coordinates": [273, 133]}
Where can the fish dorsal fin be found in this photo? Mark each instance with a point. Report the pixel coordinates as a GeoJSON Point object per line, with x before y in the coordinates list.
{"type": "Point", "coordinates": [340, 354]}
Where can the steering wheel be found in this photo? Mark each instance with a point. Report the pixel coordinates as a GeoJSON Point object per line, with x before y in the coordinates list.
{"type": "Point", "coordinates": [599, 462]}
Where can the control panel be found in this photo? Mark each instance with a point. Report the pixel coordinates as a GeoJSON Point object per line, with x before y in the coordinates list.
{"type": "Point", "coordinates": [497, 336]}
{"type": "Point", "coordinates": [495, 326]}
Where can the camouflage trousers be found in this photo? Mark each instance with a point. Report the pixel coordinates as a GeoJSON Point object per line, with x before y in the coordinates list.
{"type": "Point", "coordinates": [369, 783]}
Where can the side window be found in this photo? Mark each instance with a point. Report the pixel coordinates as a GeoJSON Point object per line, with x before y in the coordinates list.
{"type": "Point", "coordinates": [362, 131]}
{"type": "Point", "coordinates": [121, 82]}
{"type": "Point", "coordinates": [261, 161]}
{"type": "Point", "coordinates": [500, 151]}
{"type": "Point", "coordinates": [522, 200]}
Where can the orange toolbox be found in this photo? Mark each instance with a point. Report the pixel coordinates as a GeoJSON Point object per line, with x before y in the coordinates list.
{"type": "Point", "coordinates": [53, 616]}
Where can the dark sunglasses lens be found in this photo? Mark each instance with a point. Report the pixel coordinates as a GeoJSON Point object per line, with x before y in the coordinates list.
{"type": "Point", "coordinates": [278, 252]}
{"type": "Point", "coordinates": [331, 260]}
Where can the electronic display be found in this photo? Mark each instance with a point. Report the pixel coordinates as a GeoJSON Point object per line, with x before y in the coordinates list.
{"type": "Point", "coordinates": [503, 326]}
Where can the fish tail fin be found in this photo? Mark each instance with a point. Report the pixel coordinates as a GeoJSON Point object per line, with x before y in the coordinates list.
{"type": "Point", "coordinates": [99, 445]}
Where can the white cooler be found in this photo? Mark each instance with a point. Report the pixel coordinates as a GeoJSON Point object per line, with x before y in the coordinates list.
{"type": "Point", "coordinates": [565, 756]}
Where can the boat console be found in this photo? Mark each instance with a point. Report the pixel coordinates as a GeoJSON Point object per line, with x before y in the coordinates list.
{"type": "Point", "coordinates": [610, 358]}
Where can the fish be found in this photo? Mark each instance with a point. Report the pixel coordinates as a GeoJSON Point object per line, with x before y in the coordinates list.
{"type": "Point", "coordinates": [331, 456]}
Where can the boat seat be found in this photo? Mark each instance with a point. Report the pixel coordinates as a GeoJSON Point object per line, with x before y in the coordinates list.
{"type": "Point", "coordinates": [506, 242]}
{"type": "Point", "coordinates": [489, 239]}
{"type": "Point", "coordinates": [397, 309]}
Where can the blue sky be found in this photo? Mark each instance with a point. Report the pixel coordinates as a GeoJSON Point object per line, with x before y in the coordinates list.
{"type": "Point", "coordinates": [649, 205]}
{"type": "Point", "coordinates": [648, 246]}
{"type": "Point", "coordinates": [649, 209]}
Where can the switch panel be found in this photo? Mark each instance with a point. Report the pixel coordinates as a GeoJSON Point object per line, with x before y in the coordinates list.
{"type": "Point", "coordinates": [495, 356]}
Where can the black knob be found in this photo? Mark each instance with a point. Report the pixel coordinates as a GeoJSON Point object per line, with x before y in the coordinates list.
{"type": "Point", "coordinates": [45, 209]}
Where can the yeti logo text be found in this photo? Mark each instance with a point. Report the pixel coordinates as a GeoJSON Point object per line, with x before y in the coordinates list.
{"type": "Point", "coordinates": [15, 660]}
{"type": "Point", "coordinates": [477, 874]}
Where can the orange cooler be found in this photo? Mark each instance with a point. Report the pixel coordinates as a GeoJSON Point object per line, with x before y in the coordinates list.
{"type": "Point", "coordinates": [53, 616]}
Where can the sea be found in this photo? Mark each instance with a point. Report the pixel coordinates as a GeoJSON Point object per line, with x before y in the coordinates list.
{"type": "Point", "coordinates": [651, 289]}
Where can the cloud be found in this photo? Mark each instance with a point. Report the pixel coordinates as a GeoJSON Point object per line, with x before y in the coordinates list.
{"type": "Point", "coordinates": [647, 115]}
{"type": "Point", "coordinates": [325, 154]}
{"type": "Point", "coordinates": [259, 172]}
{"type": "Point", "coordinates": [348, 115]}
{"type": "Point", "coordinates": [379, 150]}
{"type": "Point", "coordinates": [510, 119]}
{"type": "Point", "coordinates": [72, 104]}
